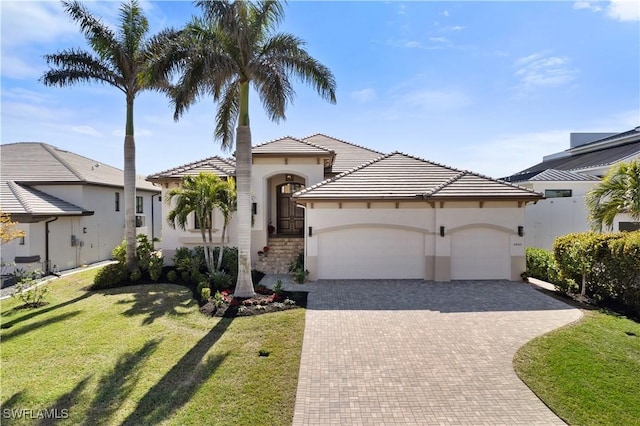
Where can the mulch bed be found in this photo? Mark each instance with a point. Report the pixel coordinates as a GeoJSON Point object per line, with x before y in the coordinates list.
{"type": "Point", "coordinates": [262, 303]}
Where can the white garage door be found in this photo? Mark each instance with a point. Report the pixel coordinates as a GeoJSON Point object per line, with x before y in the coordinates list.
{"type": "Point", "coordinates": [480, 254]}
{"type": "Point", "coordinates": [374, 253]}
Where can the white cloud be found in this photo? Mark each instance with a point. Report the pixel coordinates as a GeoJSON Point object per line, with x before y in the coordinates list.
{"type": "Point", "coordinates": [586, 5]}
{"type": "Point", "coordinates": [15, 67]}
{"type": "Point", "coordinates": [364, 95]}
{"type": "Point", "coordinates": [541, 70]}
{"type": "Point", "coordinates": [445, 13]}
{"type": "Point", "coordinates": [458, 28]}
{"type": "Point", "coordinates": [45, 21]}
{"type": "Point", "coordinates": [620, 10]}
{"type": "Point", "coordinates": [86, 130]}
{"type": "Point", "coordinates": [434, 100]}
{"type": "Point", "coordinates": [624, 10]}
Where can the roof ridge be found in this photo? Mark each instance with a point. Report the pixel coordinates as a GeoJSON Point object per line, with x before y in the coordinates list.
{"type": "Point", "coordinates": [345, 173]}
{"type": "Point", "coordinates": [51, 150]}
{"type": "Point", "coordinates": [344, 141]}
{"type": "Point", "coordinates": [16, 190]}
{"type": "Point", "coordinates": [445, 183]}
{"type": "Point", "coordinates": [297, 140]}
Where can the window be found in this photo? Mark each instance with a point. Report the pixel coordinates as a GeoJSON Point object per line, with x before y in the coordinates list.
{"type": "Point", "coordinates": [629, 226]}
{"type": "Point", "coordinates": [196, 222]}
{"type": "Point", "coordinates": [117, 201]}
{"type": "Point", "coordinates": [139, 221]}
{"type": "Point", "coordinates": [557, 193]}
{"type": "Point", "coordinates": [139, 204]}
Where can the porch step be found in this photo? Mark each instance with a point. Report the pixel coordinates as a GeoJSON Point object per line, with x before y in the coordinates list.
{"type": "Point", "coordinates": [282, 252]}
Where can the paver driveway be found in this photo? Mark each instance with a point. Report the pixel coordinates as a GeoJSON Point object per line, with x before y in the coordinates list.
{"type": "Point", "coordinates": [422, 353]}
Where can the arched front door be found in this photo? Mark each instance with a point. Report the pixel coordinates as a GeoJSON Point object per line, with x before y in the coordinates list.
{"type": "Point", "coordinates": [290, 216]}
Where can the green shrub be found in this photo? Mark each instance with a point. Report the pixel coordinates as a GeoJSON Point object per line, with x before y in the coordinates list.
{"type": "Point", "coordinates": [300, 276]}
{"type": "Point", "coordinates": [298, 263]}
{"type": "Point", "coordinates": [29, 293]}
{"type": "Point", "coordinates": [205, 293]}
{"type": "Point", "coordinates": [277, 287]}
{"type": "Point", "coordinates": [144, 252]}
{"type": "Point", "coordinates": [229, 261]}
{"type": "Point", "coordinates": [610, 264]}
{"type": "Point", "coordinates": [220, 280]}
{"type": "Point", "coordinates": [541, 264]}
{"type": "Point", "coordinates": [113, 275]}
{"type": "Point", "coordinates": [172, 276]}
{"type": "Point", "coordinates": [135, 276]}
{"type": "Point", "coordinates": [155, 267]}
{"type": "Point", "coordinates": [218, 300]}
{"type": "Point", "coordinates": [185, 276]}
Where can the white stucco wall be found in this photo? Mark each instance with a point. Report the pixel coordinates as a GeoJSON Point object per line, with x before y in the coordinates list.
{"type": "Point", "coordinates": [411, 219]}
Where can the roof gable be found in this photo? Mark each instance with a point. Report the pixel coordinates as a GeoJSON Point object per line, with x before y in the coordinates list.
{"type": "Point", "coordinates": [400, 176]}
{"type": "Point", "coordinates": [291, 146]}
{"type": "Point", "coordinates": [217, 165]}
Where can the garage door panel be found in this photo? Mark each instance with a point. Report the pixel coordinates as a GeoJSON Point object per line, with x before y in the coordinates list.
{"type": "Point", "coordinates": [374, 253]}
{"type": "Point", "coordinates": [480, 253]}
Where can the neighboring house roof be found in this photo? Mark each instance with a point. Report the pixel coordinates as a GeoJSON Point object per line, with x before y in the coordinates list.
{"type": "Point", "coordinates": [398, 176]}
{"type": "Point", "coordinates": [552, 175]}
{"type": "Point", "coordinates": [39, 163]}
{"type": "Point", "coordinates": [23, 200]}
{"type": "Point", "coordinates": [291, 146]}
{"type": "Point", "coordinates": [348, 155]}
{"type": "Point", "coordinates": [216, 165]}
{"type": "Point", "coordinates": [603, 152]}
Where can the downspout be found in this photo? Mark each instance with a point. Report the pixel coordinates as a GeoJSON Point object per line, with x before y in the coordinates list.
{"type": "Point", "coordinates": [46, 245]}
{"type": "Point", "coordinates": [153, 222]}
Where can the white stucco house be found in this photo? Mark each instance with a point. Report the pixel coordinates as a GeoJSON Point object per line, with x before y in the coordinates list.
{"type": "Point", "coordinates": [566, 177]}
{"type": "Point", "coordinates": [357, 213]}
{"type": "Point", "coordinates": [70, 207]}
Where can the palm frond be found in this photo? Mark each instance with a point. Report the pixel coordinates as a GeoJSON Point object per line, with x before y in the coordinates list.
{"type": "Point", "coordinates": [75, 66]}
{"type": "Point", "coordinates": [227, 115]}
{"type": "Point", "coordinates": [274, 89]}
{"type": "Point", "coordinates": [133, 27]}
{"type": "Point", "coordinates": [101, 39]}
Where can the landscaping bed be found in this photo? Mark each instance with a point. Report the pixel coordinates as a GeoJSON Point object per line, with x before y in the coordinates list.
{"type": "Point", "coordinates": [265, 301]}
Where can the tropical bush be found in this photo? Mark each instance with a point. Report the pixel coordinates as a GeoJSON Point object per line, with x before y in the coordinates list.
{"type": "Point", "coordinates": [541, 264]}
{"type": "Point", "coordinates": [155, 267]}
{"type": "Point", "coordinates": [220, 280]}
{"type": "Point", "coordinates": [144, 252]}
{"type": "Point", "coordinates": [31, 295]}
{"type": "Point", "coordinates": [113, 275]}
{"type": "Point", "coordinates": [608, 263]}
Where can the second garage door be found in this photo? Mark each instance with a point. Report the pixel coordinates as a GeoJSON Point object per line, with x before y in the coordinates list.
{"type": "Point", "coordinates": [371, 253]}
{"type": "Point", "coordinates": [480, 254]}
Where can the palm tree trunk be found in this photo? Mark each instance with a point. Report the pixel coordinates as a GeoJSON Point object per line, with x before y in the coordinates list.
{"type": "Point", "coordinates": [244, 285]}
{"type": "Point", "coordinates": [221, 253]}
{"type": "Point", "coordinates": [130, 190]}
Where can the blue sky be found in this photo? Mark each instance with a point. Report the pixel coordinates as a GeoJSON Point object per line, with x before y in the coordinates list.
{"type": "Point", "coordinates": [485, 86]}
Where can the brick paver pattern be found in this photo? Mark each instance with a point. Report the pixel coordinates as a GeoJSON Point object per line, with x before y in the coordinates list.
{"type": "Point", "coordinates": [390, 352]}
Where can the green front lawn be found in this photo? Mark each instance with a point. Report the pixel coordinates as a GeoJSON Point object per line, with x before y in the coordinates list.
{"type": "Point", "coordinates": [587, 373]}
{"type": "Point", "coordinates": [145, 355]}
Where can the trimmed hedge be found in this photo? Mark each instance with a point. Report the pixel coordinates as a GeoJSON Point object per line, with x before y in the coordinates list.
{"type": "Point", "coordinates": [610, 264]}
{"type": "Point", "coordinates": [541, 264]}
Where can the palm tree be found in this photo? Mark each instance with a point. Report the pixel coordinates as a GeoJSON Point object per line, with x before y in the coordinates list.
{"type": "Point", "coordinates": [118, 59]}
{"type": "Point", "coordinates": [232, 47]}
{"type": "Point", "coordinates": [227, 202]}
{"type": "Point", "coordinates": [199, 194]}
{"type": "Point", "coordinates": [619, 192]}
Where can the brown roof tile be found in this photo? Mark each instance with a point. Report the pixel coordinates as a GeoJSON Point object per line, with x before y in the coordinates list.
{"type": "Point", "coordinates": [290, 146]}
{"type": "Point", "coordinates": [348, 155]}
{"type": "Point", "coordinates": [400, 176]}
{"type": "Point", "coordinates": [219, 166]}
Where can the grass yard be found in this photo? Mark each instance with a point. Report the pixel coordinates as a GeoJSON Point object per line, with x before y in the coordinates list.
{"type": "Point", "coordinates": [145, 355]}
{"type": "Point", "coordinates": [588, 373]}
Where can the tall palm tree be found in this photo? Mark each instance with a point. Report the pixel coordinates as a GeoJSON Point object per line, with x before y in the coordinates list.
{"type": "Point", "coordinates": [118, 59]}
{"type": "Point", "coordinates": [199, 194]}
{"type": "Point", "coordinates": [619, 192]}
{"type": "Point", "coordinates": [232, 47]}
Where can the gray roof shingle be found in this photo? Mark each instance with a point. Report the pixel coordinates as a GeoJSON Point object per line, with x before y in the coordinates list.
{"type": "Point", "coordinates": [18, 199]}
{"type": "Point", "coordinates": [217, 165]}
{"type": "Point", "coordinates": [36, 162]}
{"type": "Point", "coordinates": [552, 175]}
{"type": "Point", "coordinates": [399, 176]}
{"type": "Point", "coordinates": [291, 146]}
{"type": "Point", "coordinates": [348, 155]}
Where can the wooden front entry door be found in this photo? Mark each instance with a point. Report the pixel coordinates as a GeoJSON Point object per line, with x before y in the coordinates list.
{"type": "Point", "coordinates": [290, 216]}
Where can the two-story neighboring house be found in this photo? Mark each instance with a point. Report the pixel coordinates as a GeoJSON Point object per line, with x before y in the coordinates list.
{"type": "Point", "coordinates": [70, 207]}
{"type": "Point", "coordinates": [357, 213]}
{"type": "Point", "coordinates": [566, 177]}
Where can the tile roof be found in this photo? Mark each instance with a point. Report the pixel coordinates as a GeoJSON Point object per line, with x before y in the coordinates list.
{"type": "Point", "coordinates": [35, 162]}
{"type": "Point", "coordinates": [290, 146]}
{"type": "Point", "coordinates": [348, 155]}
{"type": "Point", "coordinates": [217, 165]}
{"type": "Point", "coordinates": [19, 199]}
{"type": "Point", "coordinates": [585, 160]}
{"type": "Point", "coordinates": [400, 176]}
{"type": "Point", "coordinates": [552, 175]}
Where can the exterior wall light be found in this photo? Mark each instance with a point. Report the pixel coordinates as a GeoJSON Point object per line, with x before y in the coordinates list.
{"type": "Point", "coordinates": [520, 231]}
{"type": "Point", "coordinates": [442, 231]}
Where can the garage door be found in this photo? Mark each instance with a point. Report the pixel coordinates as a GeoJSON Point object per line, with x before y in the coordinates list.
{"type": "Point", "coordinates": [480, 254]}
{"type": "Point", "coordinates": [374, 253]}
